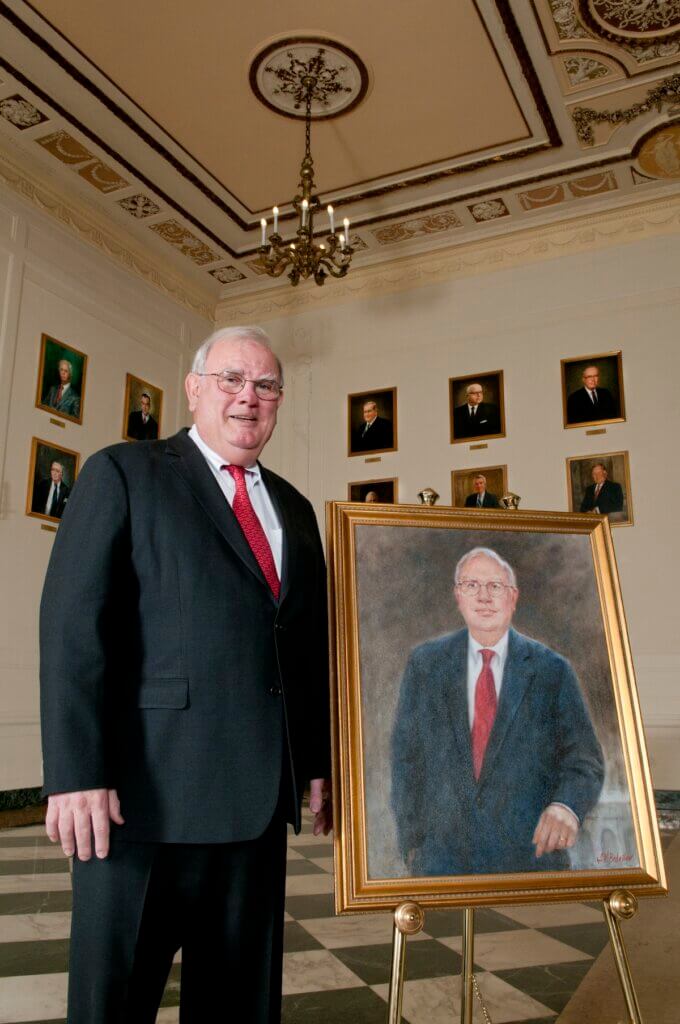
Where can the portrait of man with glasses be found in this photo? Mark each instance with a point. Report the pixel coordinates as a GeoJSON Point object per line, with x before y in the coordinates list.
{"type": "Point", "coordinates": [495, 761]}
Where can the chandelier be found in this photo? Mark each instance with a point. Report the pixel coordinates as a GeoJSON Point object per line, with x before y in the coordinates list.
{"type": "Point", "coordinates": [307, 81]}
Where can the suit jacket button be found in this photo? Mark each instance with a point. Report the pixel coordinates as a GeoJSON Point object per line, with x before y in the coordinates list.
{"type": "Point", "coordinates": [275, 691]}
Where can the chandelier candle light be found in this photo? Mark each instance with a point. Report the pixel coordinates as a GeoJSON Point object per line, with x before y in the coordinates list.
{"type": "Point", "coordinates": [305, 257]}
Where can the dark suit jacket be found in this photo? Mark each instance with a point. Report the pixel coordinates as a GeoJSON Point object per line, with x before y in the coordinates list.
{"type": "Point", "coordinates": [542, 749]}
{"type": "Point", "coordinates": [610, 498]}
{"type": "Point", "coordinates": [41, 494]}
{"type": "Point", "coordinates": [485, 421]}
{"type": "Point", "coordinates": [488, 501]}
{"type": "Point", "coordinates": [168, 669]}
{"type": "Point", "coordinates": [69, 402]}
{"type": "Point", "coordinates": [379, 435]}
{"type": "Point", "coordinates": [142, 431]}
{"type": "Point", "coordinates": [580, 408]}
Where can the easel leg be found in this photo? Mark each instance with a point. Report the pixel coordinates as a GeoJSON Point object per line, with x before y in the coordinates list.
{"type": "Point", "coordinates": [622, 905]}
{"type": "Point", "coordinates": [408, 920]}
{"type": "Point", "coordinates": [467, 977]}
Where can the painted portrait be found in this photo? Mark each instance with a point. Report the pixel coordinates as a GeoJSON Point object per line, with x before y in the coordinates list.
{"type": "Point", "coordinates": [61, 379]}
{"type": "Point", "coordinates": [374, 491]}
{"type": "Point", "coordinates": [477, 407]}
{"type": "Point", "coordinates": [482, 749]}
{"type": "Point", "coordinates": [142, 410]}
{"type": "Point", "coordinates": [372, 422]}
{"type": "Point", "coordinates": [51, 475]}
{"type": "Point", "coordinates": [601, 484]}
{"type": "Point", "coordinates": [592, 390]}
{"type": "Point", "coordinates": [479, 488]}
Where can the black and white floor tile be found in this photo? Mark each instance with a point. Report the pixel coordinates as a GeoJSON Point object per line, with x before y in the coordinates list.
{"type": "Point", "coordinates": [529, 960]}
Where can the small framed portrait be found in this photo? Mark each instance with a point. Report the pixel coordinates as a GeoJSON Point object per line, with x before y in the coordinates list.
{"type": "Point", "coordinates": [143, 410]}
{"type": "Point", "coordinates": [51, 476]}
{"type": "Point", "coordinates": [479, 488]}
{"type": "Point", "coordinates": [601, 483]}
{"type": "Point", "coordinates": [61, 379]}
{"type": "Point", "coordinates": [488, 743]}
{"type": "Point", "coordinates": [477, 407]}
{"type": "Point", "coordinates": [383, 492]}
{"type": "Point", "coordinates": [372, 422]}
{"type": "Point", "coordinates": [592, 390]}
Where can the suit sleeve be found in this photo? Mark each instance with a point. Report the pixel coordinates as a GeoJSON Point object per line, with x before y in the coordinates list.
{"type": "Point", "coordinates": [78, 629]}
{"type": "Point", "coordinates": [407, 763]}
{"type": "Point", "coordinates": [578, 751]}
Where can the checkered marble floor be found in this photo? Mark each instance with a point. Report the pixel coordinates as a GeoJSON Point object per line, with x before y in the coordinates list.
{"type": "Point", "coordinates": [529, 960]}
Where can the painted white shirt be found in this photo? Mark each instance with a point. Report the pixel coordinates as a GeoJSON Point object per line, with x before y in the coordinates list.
{"type": "Point", "coordinates": [474, 667]}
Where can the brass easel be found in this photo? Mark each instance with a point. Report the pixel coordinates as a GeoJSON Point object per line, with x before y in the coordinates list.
{"type": "Point", "coordinates": [409, 919]}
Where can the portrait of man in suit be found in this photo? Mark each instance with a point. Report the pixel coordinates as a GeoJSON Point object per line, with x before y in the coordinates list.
{"type": "Point", "coordinates": [61, 379]}
{"type": "Point", "coordinates": [185, 702]}
{"type": "Point", "coordinates": [141, 424]}
{"type": "Point", "coordinates": [494, 758]}
{"type": "Point", "coordinates": [480, 497]}
{"type": "Point", "coordinates": [375, 432]}
{"type": "Point", "coordinates": [601, 484]}
{"type": "Point", "coordinates": [476, 407]}
{"type": "Point", "coordinates": [62, 397]}
{"type": "Point", "coordinates": [603, 495]}
{"type": "Point", "coordinates": [593, 390]}
{"type": "Point", "coordinates": [372, 491]}
{"type": "Point", "coordinates": [50, 495]}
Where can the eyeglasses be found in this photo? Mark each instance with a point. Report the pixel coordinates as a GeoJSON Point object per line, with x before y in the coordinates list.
{"type": "Point", "coordinates": [471, 588]}
{"type": "Point", "coordinates": [231, 383]}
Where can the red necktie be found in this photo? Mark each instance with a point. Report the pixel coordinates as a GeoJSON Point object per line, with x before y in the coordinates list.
{"type": "Point", "coordinates": [252, 529]}
{"type": "Point", "coordinates": [485, 711]}
{"type": "Point", "coordinates": [60, 391]}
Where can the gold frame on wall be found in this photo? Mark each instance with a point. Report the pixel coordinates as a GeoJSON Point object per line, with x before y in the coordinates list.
{"type": "Point", "coordinates": [369, 483]}
{"type": "Point", "coordinates": [474, 471]}
{"type": "Point", "coordinates": [129, 379]}
{"type": "Point", "coordinates": [31, 475]}
{"type": "Point", "coordinates": [367, 396]}
{"type": "Point", "coordinates": [473, 378]}
{"type": "Point", "coordinates": [355, 889]}
{"type": "Point", "coordinates": [601, 457]}
{"type": "Point", "coordinates": [44, 339]}
{"type": "Point", "coordinates": [586, 361]}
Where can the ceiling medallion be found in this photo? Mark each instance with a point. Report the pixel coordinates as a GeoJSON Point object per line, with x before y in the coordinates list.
{"type": "Point", "coordinates": [659, 156]}
{"type": "Point", "coordinates": [297, 79]}
{"type": "Point", "coordinates": [635, 21]}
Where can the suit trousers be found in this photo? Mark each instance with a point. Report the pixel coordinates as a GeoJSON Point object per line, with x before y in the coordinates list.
{"type": "Point", "coordinates": [222, 904]}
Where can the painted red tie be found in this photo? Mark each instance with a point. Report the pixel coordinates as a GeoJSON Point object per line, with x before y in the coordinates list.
{"type": "Point", "coordinates": [252, 529]}
{"type": "Point", "coordinates": [485, 711]}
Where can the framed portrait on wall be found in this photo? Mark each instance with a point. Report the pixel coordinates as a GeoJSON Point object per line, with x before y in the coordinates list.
{"type": "Point", "coordinates": [601, 483]}
{"type": "Point", "coordinates": [52, 473]}
{"type": "Point", "coordinates": [143, 410]}
{"type": "Point", "coordinates": [479, 488]}
{"type": "Point", "coordinates": [372, 422]}
{"type": "Point", "coordinates": [383, 492]}
{"type": "Point", "coordinates": [61, 379]}
{"type": "Point", "coordinates": [477, 407]}
{"type": "Point", "coordinates": [592, 390]}
{"type": "Point", "coordinates": [488, 745]}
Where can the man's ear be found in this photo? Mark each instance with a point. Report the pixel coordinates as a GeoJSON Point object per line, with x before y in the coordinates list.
{"type": "Point", "coordinates": [192, 386]}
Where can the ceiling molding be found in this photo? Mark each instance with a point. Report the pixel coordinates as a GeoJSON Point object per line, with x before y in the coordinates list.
{"type": "Point", "coordinates": [588, 233]}
{"type": "Point", "coordinates": [97, 233]}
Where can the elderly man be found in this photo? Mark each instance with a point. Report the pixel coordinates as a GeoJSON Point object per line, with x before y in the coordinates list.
{"type": "Point", "coordinates": [50, 496]}
{"type": "Point", "coordinates": [591, 403]}
{"type": "Point", "coordinates": [62, 397]}
{"type": "Point", "coordinates": [603, 495]}
{"type": "Point", "coordinates": [185, 702]}
{"type": "Point", "coordinates": [476, 418]}
{"type": "Point", "coordinates": [495, 762]}
{"type": "Point", "coordinates": [141, 425]}
{"type": "Point", "coordinates": [375, 433]}
{"type": "Point", "coordinates": [480, 497]}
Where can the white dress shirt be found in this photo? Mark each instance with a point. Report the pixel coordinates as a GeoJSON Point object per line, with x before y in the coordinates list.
{"type": "Point", "coordinates": [474, 667]}
{"type": "Point", "coordinates": [50, 496]}
{"type": "Point", "coordinates": [257, 492]}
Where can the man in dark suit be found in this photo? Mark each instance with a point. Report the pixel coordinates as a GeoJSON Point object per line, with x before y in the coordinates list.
{"type": "Point", "coordinates": [603, 495]}
{"type": "Point", "coordinates": [50, 496]}
{"type": "Point", "coordinates": [141, 425]}
{"type": "Point", "coordinates": [481, 498]}
{"type": "Point", "coordinates": [495, 761]}
{"type": "Point", "coordinates": [591, 402]}
{"type": "Point", "coordinates": [476, 418]}
{"type": "Point", "coordinates": [185, 700]}
{"type": "Point", "coordinates": [62, 397]}
{"type": "Point", "coordinates": [375, 433]}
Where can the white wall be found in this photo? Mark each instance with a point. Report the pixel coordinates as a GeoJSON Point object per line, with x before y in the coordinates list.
{"type": "Point", "coordinates": [522, 320]}
{"type": "Point", "coordinates": [50, 282]}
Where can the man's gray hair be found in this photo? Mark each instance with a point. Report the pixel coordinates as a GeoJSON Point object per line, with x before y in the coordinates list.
{"type": "Point", "coordinates": [505, 566]}
{"type": "Point", "coordinates": [233, 334]}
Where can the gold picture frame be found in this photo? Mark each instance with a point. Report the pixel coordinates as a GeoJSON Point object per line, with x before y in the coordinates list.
{"type": "Point", "coordinates": [490, 417]}
{"type": "Point", "coordinates": [379, 633]}
{"type": "Point", "coordinates": [462, 483]}
{"type": "Point", "coordinates": [384, 425]}
{"type": "Point", "coordinates": [70, 405]}
{"type": "Point", "coordinates": [40, 478]}
{"type": "Point", "coordinates": [386, 491]}
{"type": "Point", "coordinates": [616, 501]}
{"type": "Point", "coordinates": [576, 406]}
{"type": "Point", "coordinates": [134, 429]}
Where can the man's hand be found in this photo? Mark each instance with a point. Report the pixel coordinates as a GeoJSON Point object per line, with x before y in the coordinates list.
{"type": "Point", "coordinates": [556, 830]}
{"type": "Point", "coordinates": [321, 806]}
{"type": "Point", "coordinates": [72, 818]}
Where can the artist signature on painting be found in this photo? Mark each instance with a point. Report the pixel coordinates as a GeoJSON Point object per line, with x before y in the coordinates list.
{"type": "Point", "coordinates": [607, 857]}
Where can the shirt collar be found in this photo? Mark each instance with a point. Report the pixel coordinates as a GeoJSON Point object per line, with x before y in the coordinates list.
{"type": "Point", "coordinates": [500, 648]}
{"type": "Point", "coordinates": [215, 460]}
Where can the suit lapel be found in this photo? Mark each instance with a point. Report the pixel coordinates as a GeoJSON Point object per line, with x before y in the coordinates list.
{"type": "Point", "coordinates": [517, 676]}
{"type": "Point", "coordinates": [454, 698]}
{"type": "Point", "coordinates": [188, 462]}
